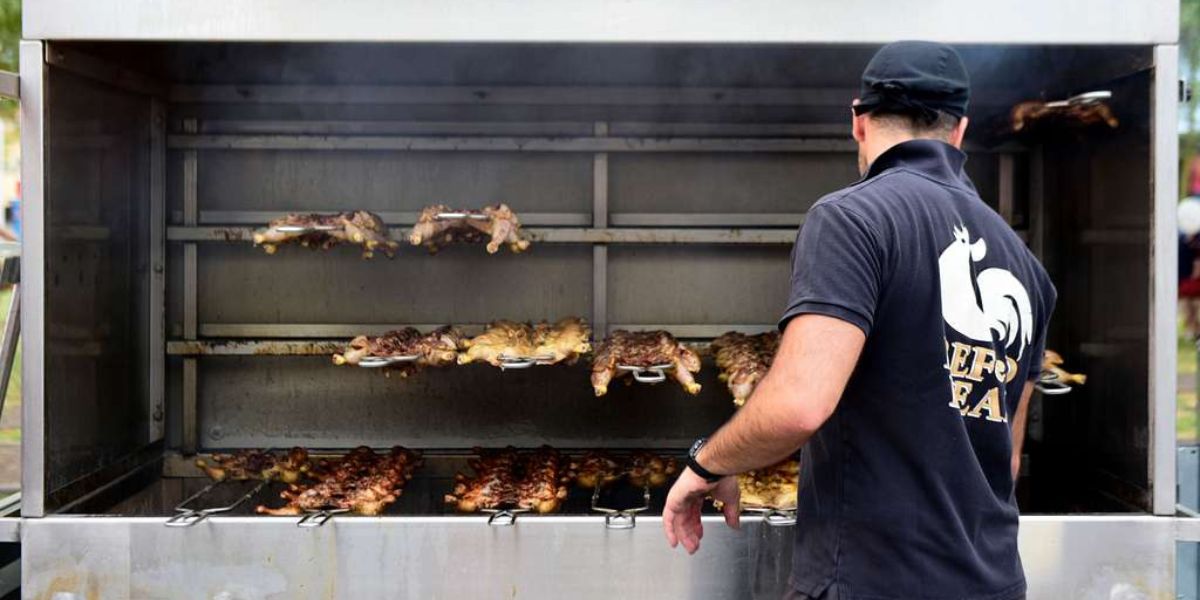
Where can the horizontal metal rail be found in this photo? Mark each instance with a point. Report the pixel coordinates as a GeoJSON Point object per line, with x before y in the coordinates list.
{"type": "Point", "coordinates": [537, 95]}
{"type": "Point", "coordinates": [563, 235]}
{"type": "Point", "coordinates": [504, 144]}
{"type": "Point", "coordinates": [299, 339]}
{"type": "Point", "coordinates": [254, 348]}
{"type": "Point", "coordinates": [520, 95]}
{"type": "Point", "coordinates": [260, 218]}
{"type": "Point", "coordinates": [523, 128]}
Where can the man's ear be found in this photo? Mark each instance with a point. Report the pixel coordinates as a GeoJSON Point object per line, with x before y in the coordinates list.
{"type": "Point", "coordinates": [858, 126]}
{"type": "Point", "coordinates": [960, 131]}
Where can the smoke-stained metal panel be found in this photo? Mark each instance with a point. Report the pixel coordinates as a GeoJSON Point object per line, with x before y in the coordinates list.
{"type": "Point", "coordinates": [97, 266]}
{"type": "Point", "coordinates": [286, 401]}
{"type": "Point", "coordinates": [242, 284]}
{"type": "Point", "coordinates": [730, 183]}
{"type": "Point", "coordinates": [664, 284]}
{"type": "Point", "coordinates": [392, 181]}
{"type": "Point", "coordinates": [540, 557]}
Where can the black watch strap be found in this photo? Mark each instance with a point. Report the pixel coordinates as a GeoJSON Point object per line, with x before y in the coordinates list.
{"type": "Point", "coordinates": [696, 467]}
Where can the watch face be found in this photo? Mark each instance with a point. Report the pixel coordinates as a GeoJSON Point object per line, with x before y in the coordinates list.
{"type": "Point", "coordinates": [696, 446]}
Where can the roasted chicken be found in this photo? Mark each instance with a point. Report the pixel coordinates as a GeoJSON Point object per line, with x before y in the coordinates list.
{"type": "Point", "coordinates": [534, 481]}
{"type": "Point", "coordinates": [643, 349]}
{"type": "Point", "coordinates": [562, 342]}
{"type": "Point", "coordinates": [434, 349]}
{"type": "Point", "coordinates": [245, 465]}
{"type": "Point", "coordinates": [597, 468]}
{"type": "Point", "coordinates": [361, 482]}
{"type": "Point", "coordinates": [645, 469]}
{"type": "Point", "coordinates": [773, 487]}
{"type": "Point", "coordinates": [325, 231]}
{"type": "Point", "coordinates": [543, 485]}
{"type": "Point", "coordinates": [1081, 114]}
{"type": "Point", "coordinates": [744, 361]}
{"type": "Point", "coordinates": [547, 344]}
{"type": "Point", "coordinates": [496, 225]}
{"type": "Point", "coordinates": [1052, 367]}
{"type": "Point", "coordinates": [494, 483]}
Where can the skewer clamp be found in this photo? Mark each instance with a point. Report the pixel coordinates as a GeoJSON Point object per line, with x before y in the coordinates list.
{"type": "Point", "coordinates": [652, 374]}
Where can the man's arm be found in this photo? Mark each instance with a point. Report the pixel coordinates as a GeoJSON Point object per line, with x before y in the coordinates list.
{"type": "Point", "coordinates": [1018, 428]}
{"type": "Point", "coordinates": [815, 359]}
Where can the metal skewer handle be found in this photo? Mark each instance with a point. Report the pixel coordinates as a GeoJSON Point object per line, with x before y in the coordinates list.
{"type": "Point", "coordinates": [774, 517]}
{"type": "Point", "coordinates": [306, 228]}
{"type": "Point", "coordinates": [524, 362]}
{"type": "Point", "coordinates": [503, 517]}
{"type": "Point", "coordinates": [1079, 99]}
{"type": "Point", "coordinates": [375, 362]}
{"type": "Point", "coordinates": [1050, 385]}
{"type": "Point", "coordinates": [652, 374]}
{"type": "Point", "coordinates": [455, 216]}
{"type": "Point", "coordinates": [317, 518]}
{"type": "Point", "coordinates": [187, 517]}
{"type": "Point", "coordinates": [625, 518]}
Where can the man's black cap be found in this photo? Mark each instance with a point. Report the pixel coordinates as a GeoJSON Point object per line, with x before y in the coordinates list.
{"type": "Point", "coordinates": [918, 78]}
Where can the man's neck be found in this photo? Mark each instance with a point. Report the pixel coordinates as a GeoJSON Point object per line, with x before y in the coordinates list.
{"type": "Point", "coordinates": [884, 144]}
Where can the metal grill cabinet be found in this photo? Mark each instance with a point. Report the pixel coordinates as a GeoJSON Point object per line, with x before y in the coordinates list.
{"type": "Point", "coordinates": [662, 166]}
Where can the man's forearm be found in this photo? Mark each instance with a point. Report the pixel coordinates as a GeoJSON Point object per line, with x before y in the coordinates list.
{"type": "Point", "coordinates": [815, 359]}
{"type": "Point", "coordinates": [760, 434]}
{"type": "Point", "coordinates": [1018, 428]}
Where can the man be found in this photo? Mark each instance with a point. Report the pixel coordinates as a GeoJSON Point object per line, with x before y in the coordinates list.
{"type": "Point", "coordinates": [912, 337]}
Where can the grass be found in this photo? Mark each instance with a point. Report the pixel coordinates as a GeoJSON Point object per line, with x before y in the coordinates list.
{"type": "Point", "coordinates": [1187, 429]}
{"type": "Point", "coordinates": [12, 401]}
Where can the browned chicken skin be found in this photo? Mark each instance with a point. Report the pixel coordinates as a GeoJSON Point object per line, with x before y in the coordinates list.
{"type": "Point", "coordinates": [597, 468]}
{"type": "Point", "coordinates": [1026, 113]}
{"type": "Point", "coordinates": [496, 225]}
{"type": "Point", "coordinates": [360, 227]}
{"type": "Point", "coordinates": [362, 482]}
{"type": "Point", "coordinates": [744, 361]}
{"type": "Point", "coordinates": [434, 349]}
{"type": "Point", "coordinates": [549, 344]}
{"type": "Point", "coordinates": [772, 487]}
{"type": "Point", "coordinates": [249, 464]}
{"type": "Point", "coordinates": [643, 349]}
{"type": "Point", "coordinates": [534, 481]}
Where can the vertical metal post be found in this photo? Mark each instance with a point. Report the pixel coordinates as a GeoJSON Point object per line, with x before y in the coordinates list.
{"type": "Point", "coordinates": [1163, 294]}
{"type": "Point", "coordinates": [600, 251]}
{"type": "Point", "coordinates": [191, 217]}
{"type": "Point", "coordinates": [33, 287]}
{"type": "Point", "coordinates": [158, 253]}
{"type": "Point", "coordinates": [1037, 205]}
{"type": "Point", "coordinates": [1007, 185]}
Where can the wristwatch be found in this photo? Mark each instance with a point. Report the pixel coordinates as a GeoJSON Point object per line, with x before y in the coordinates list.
{"type": "Point", "coordinates": [692, 464]}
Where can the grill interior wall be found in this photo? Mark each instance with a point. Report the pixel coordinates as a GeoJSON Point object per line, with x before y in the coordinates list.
{"type": "Point", "coordinates": [97, 264]}
{"type": "Point", "coordinates": [1098, 199]}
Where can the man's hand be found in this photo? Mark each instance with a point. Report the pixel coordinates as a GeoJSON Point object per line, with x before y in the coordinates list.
{"type": "Point", "coordinates": [681, 517]}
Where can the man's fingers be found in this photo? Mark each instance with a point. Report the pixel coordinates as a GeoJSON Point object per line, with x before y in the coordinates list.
{"type": "Point", "coordinates": [733, 514]}
{"type": "Point", "coordinates": [668, 526]}
{"type": "Point", "coordinates": [731, 501]}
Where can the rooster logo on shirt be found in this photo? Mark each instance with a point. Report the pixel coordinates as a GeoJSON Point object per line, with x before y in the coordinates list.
{"type": "Point", "coordinates": [977, 305]}
{"type": "Point", "coordinates": [988, 308]}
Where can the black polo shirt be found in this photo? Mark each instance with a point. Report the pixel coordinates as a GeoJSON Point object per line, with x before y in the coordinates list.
{"type": "Point", "coordinates": [906, 492]}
